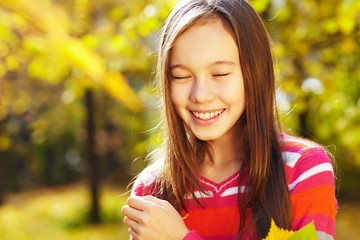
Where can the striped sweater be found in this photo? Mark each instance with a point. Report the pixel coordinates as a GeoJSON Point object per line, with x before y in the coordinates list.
{"type": "Point", "coordinates": [310, 178]}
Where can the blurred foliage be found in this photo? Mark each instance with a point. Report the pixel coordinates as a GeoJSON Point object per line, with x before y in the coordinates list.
{"type": "Point", "coordinates": [51, 52]}
{"type": "Point", "coordinates": [317, 45]}
{"type": "Point", "coordinates": [61, 214]}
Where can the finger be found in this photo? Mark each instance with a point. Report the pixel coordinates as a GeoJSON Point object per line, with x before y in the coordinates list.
{"type": "Point", "coordinates": [132, 213]}
{"type": "Point", "coordinates": [131, 224]}
{"type": "Point", "coordinates": [133, 234]}
{"type": "Point", "coordinates": [140, 203]}
{"type": "Point", "coordinates": [156, 200]}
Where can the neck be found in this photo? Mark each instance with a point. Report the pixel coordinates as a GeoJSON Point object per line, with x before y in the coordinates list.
{"type": "Point", "coordinates": [224, 151]}
{"type": "Point", "coordinates": [226, 156]}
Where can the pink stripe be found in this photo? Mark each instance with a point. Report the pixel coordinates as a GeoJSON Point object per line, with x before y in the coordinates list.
{"type": "Point", "coordinates": [223, 237]}
{"type": "Point", "coordinates": [306, 162]}
{"type": "Point", "coordinates": [193, 235]}
{"type": "Point", "coordinates": [141, 190]}
{"type": "Point", "coordinates": [323, 178]}
{"type": "Point", "coordinates": [322, 223]}
{"type": "Point", "coordinates": [287, 169]}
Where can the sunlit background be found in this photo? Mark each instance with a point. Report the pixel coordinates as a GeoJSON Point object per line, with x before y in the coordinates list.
{"type": "Point", "coordinates": [77, 105]}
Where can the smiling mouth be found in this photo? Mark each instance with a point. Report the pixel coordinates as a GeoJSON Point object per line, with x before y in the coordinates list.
{"type": "Point", "coordinates": [207, 115]}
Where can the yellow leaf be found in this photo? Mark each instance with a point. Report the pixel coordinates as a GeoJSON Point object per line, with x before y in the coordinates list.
{"type": "Point", "coordinates": [276, 233]}
{"type": "Point", "coordinates": [115, 84]}
{"type": "Point", "coordinates": [260, 6]}
{"type": "Point", "coordinates": [53, 22]}
{"type": "Point", "coordinates": [12, 63]}
{"type": "Point", "coordinates": [79, 56]}
{"type": "Point", "coordinates": [42, 14]}
{"type": "Point", "coordinates": [346, 24]}
{"type": "Point", "coordinates": [5, 143]}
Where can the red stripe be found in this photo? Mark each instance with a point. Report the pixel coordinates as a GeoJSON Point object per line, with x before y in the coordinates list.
{"type": "Point", "coordinates": [212, 222]}
{"type": "Point", "coordinates": [212, 202]}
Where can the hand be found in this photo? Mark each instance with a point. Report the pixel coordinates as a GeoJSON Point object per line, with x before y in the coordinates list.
{"type": "Point", "coordinates": [150, 218]}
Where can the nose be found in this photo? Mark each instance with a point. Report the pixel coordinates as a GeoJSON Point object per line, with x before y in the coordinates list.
{"type": "Point", "coordinates": [202, 91]}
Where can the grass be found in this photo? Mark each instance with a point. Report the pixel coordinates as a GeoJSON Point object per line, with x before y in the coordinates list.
{"type": "Point", "coordinates": [348, 221]}
{"type": "Point", "coordinates": [62, 214]}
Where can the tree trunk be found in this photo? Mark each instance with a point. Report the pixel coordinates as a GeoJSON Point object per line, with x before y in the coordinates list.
{"type": "Point", "coordinates": [303, 115]}
{"type": "Point", "coordinates": [1, 179]}
{"type": "Point", "coordinates": [303, 124]}
{"type": "Point", "coordinates": [92, 166]}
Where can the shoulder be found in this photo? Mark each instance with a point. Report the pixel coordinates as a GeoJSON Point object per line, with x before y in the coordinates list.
{"type": "Point", "coordinates": [310, 177]}
{"type": "Point", "coordinates": [303, 159]}
{"type": "Point", "coordinates": [146, 182]}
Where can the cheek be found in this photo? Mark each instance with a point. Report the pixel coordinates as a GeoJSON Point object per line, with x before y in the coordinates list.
{"type": "Point", "coordinates": [238, 90]}
{"type": "Point", "coordinates": [177, 102]}
{"type": "Point", "coordinates": [233, 93]}
{"type": "Point", "coordinates": [178, 95]}
{"type": "Point", "coordinates": [174, 96]}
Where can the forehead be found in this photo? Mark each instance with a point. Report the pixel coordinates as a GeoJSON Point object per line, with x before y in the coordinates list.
{"type": "Point", "coordinates": [205, 41]}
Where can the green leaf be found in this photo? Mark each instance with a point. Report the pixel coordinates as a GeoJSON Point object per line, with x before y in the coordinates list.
{"type": "Point", "coordinates": [306, 233]}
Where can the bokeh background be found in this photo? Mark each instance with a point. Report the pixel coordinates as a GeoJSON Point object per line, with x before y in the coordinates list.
{"type": "Point", "coordinates": [77, 105]}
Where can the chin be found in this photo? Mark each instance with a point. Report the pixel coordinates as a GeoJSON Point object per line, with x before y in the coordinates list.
{"type": "Point", "coordinates": [203, 137]}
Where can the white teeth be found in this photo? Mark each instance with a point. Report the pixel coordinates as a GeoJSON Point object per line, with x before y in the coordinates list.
{"type": "Point", "coordinates": [207, 115]}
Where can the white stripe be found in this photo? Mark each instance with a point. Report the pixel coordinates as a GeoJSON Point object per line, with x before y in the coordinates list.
{"type": "Point", "coordinates": [300, 140]}
{"type": "Point", "coordinates": [290, 158]}
{"type": "Point", "coordinates": [147, 179]}
{"type": "Point", "coordinates": [199, 195]}
{"type": "Point", "coordinates": [218, 190]}
{"type": "Point", "coordinates": [324, 236]}
{"type": "Point", "coordinates": [311, 172]}
{"type": "Point", "coordinates": [205, 194]}
{"type": "Point", "coordinates": [232, 191]}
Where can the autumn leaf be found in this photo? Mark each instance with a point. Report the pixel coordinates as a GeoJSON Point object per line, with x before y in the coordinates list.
{"type": "Point", "coordinates": [306, 233]}
{"type": "Point", "coordinates": [276, 233]}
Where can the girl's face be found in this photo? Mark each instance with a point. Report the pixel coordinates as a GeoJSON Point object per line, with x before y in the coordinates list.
{"type": "Point", "coordinates": [207, 86]}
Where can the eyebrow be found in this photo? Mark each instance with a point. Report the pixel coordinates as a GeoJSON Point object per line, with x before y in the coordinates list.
{"type": "Point", "coordinates": [209, 65]}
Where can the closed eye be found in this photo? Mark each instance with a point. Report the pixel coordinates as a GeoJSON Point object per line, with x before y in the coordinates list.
{"type": "Point", "coordinates": [180, 77]}
{"type": "Point", "coordinates": [221, 75]}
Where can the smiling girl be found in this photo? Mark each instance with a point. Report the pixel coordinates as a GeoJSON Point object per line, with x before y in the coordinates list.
{"type": "Point", "coordinates": [226, 168]}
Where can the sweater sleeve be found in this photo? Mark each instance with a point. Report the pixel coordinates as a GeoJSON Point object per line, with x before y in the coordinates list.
{"type": "Point", "coordinates": [146, 184]}
{"type": "Point", "coordinates": [312, 186]}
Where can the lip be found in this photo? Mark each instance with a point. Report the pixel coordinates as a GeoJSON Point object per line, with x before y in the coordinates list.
{"type": "Point", "coordinates": [207, 121]}
{"type": "Point", "coordinates": [205, 111]}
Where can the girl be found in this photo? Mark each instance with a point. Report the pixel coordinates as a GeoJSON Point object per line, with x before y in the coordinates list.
{"type": "Point", "coordinates": [226, 170]}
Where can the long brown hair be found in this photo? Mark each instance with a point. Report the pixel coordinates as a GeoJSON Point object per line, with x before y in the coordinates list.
{"type": "Point", "coordinates": [269, 196]}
